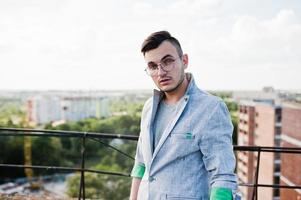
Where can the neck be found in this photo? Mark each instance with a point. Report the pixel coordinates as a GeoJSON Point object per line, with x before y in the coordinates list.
{"type": "Point", "coordinates": [174, 96]}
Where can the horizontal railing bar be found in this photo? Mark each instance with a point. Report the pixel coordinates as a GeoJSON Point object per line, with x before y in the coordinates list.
{"type": "Point", "coordinates": [128, 175]}
{"type": "Point", "coordinates": [64, 169]}
{"type": "Point", "coordinates": [283, 150]}
{"type": "Point", "coordinates": [267, 149]}
{"type": "Point", "coordinates": [56, 133]}
{"type": "Point", "coordinates": [267, 185]}
{"type": "Point", "coordinates": [60, 133]}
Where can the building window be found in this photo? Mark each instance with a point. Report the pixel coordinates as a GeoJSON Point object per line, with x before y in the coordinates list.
{"type": "Point", "coordinates": [276, 179]}
{"type": "Point", "coordinates": [276, 192]}
{"type": "Point", "coordinates": [277, 165]}
{"type": "Point", "coordinates": [245, 110]}
{"type": "Point", "coordinates": [278, 115]}
{"type": "Point", "coordinates": [277, 144]}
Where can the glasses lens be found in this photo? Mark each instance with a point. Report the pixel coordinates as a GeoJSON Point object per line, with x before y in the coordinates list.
{"type": "Point", "coordinates": [151, 69]}
{"type": "Point", "coordinates": [150, 72]}
{"type": "Point", "coordinates": [167, 64]}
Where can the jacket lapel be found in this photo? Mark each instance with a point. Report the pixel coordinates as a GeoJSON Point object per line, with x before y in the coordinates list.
{"type": "Point", "coordinates": [170, 126]}
{"type": "Point", "coordinates": [156, 99]}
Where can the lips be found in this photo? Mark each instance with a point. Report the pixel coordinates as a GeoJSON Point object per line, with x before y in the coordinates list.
{"type": "Point", "coordinates": [164, 81]}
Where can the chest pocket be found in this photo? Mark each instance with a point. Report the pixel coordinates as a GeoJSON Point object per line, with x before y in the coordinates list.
{"type": "Point", "coordinates": [183, 143]}
{"type": "Point", "coordinates": [177, 197]}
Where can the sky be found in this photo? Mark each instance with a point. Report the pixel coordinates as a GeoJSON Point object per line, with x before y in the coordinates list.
{"type": "Point", "coordinates": [95, 44]}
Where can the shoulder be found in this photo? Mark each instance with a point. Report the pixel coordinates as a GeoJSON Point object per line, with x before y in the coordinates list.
{"type": "Point", "coordinates": [147, 105]}
{"type": "Point", "coordinates": [201, 98]}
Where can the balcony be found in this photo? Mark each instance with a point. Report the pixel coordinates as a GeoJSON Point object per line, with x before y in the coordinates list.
{"type": "Point", "coordinates": [85, 136]}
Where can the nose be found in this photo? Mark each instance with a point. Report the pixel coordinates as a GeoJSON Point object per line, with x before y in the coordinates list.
{"type": "Point", "coordinates": [161, 71]}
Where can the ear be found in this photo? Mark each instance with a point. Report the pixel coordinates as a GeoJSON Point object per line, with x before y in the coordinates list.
{"type": "Point", "coordinates": [185, 60]}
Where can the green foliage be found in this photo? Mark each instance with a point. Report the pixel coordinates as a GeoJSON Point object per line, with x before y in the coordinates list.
{"type": "Point", "coordinates": [123, 124]}
{"type": "Point", "coordinates": [126, 106]}
{"type": "Point", "coordinates": [223, 95]}
{"type": "Point", "coordinates": [41, 148]}
{"type": "Point", "coordinates": [11, 152]}
{"type": "Point", "coordinates": [12, 113]}
{"type": "Point", "coordinates": [234, 120]}
{"type": "Point", "coordinates": [232, 106]}
{"type": "Point", "coordinates": [100, 186]}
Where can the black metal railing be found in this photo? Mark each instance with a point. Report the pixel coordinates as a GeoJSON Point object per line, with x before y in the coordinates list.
{"type": "Point", "coordinates": [259, 150]}
{"type": "Point", "coordinates": [98, 136]}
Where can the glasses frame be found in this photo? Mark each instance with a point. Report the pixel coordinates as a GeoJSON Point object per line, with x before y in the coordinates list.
{"type": "Point", "coordinates": [162, 66]}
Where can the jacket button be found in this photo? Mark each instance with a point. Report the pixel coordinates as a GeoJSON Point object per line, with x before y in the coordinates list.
{"type": "Point", "coordinates": [151, 179]}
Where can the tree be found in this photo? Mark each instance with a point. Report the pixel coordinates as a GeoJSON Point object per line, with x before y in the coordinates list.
{"type": "Point", "coordinates": [101, 186]}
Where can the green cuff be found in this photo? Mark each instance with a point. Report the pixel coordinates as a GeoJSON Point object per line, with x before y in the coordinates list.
{"type": "Point", "coordinates": [218, 193]}
{"type": "Point", "coordinates": [138, 170]}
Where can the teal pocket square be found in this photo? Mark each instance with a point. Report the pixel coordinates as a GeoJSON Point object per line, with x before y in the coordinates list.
{"type": "Point", "coordinates": [189, 136]}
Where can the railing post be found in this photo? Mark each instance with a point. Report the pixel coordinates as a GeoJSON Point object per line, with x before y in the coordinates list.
{"type": "Point", "coordinates": [255, 188]}
{"type": "Point", "coordinates": [82, 178]}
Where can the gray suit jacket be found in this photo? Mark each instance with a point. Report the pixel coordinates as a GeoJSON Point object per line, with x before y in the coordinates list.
{"type": "Point", "coordinates": [195, 151]}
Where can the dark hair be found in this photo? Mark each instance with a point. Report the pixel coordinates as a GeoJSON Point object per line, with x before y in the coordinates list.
{"type": "Point", "coordinates": [156, 38]}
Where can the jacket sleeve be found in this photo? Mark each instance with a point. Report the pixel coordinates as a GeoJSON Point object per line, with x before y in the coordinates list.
{"type": "Point", "coordinates": [139, 166]}
{"type": "Point", "coordinates": [217, 149]}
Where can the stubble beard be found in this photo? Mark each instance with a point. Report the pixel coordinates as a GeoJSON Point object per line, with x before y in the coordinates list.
{"type": "Point", "coordinates": [177, 86]}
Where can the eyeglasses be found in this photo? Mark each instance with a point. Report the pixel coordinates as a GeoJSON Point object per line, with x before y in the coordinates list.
{"type": "Point", "coordinates": [167, 64]}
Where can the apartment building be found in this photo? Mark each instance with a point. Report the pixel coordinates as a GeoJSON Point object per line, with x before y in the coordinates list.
{"type": "Point", "coordinates": [44, 109]}
{"type": "Point", "coordinates": [245, 160]}
{"type": "Point", "coordinates": [291, 137]}
{"type": "Point", "coordinates": [259, 125]}
{"type": "Point", "coordinates": [267, 133]}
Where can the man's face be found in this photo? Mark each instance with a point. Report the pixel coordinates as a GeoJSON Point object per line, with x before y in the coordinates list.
{"type": "Point", "coordinates": [167, 81]}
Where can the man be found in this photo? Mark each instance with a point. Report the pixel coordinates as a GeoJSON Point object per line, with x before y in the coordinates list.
{"type": "Point", "coordinates": [184, 150]}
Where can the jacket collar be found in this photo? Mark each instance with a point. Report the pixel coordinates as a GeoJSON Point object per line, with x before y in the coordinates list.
{"type": "Point", "coordinates": [158, 95]}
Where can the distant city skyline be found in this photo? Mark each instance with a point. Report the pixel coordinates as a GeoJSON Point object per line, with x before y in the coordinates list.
{"type": "Point", "coordinates": [95, 45]}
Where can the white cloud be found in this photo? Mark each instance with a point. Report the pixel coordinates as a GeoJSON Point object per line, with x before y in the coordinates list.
{"type": "Point", "coordinates": [254, 42]}
{"type": "Point", "coordinates": [95, 44]}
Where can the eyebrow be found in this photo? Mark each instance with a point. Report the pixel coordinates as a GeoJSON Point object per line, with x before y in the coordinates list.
{"type": "Point", "coordinates": [166, 56]}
